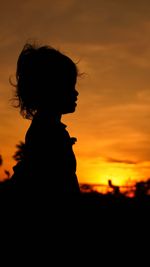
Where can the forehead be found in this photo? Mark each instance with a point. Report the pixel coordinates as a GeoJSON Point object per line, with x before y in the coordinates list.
{"type": "Point", "coordinates": [69, 71]}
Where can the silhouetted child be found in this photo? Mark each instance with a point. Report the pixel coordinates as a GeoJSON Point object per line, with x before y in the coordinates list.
{"type": "Point", "coordinates": [45, 90]}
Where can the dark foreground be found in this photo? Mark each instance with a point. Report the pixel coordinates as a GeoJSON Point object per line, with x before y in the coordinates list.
{"type": "Point", "coordinates": [90, 220]}
{"type": "Point", "coordinates": [88, 206]}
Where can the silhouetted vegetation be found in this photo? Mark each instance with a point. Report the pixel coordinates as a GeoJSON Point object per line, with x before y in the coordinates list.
{"type": "Point", "coordinates": [91, 199]}
{"type": "Point", "coordinates": [19, 154]}
{"type": "Point", "coordinates": [1, 160]}
{"type": "Point", "coordinates": [6, 172]}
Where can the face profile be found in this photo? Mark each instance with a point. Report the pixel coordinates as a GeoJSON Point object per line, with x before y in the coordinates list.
{"type": "Point", "coordinates": [46, 80]}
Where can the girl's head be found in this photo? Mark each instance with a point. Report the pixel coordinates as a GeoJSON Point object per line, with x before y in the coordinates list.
{"type": "Point", "coordinates": [46, 80]}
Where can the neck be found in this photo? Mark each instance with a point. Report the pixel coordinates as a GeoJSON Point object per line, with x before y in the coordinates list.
{"type": "Point", "coordinates": [48, 115]}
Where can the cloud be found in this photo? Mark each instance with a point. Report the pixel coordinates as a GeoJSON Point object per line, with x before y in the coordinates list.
{"type": "Point", "coordinates": [112, 39]}
{"type": "Point", "coordinates": [94, 22]}
{"type": "Point", "coordinates": [113, 160]}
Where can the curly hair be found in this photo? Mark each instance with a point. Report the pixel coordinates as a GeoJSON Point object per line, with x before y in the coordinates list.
{"type": "Point", "coordinates": [42, 72]}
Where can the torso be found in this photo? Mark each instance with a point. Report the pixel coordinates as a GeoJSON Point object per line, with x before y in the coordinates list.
{"type": "Point", "coordinates": [49, 160]}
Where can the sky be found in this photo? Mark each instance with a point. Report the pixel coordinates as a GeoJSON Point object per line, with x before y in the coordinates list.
{"type": "Point", "coordinates": [110, 41]}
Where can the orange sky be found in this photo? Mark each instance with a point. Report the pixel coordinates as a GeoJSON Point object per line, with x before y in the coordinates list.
{"type": "Point", "coordinates": [110, 39]}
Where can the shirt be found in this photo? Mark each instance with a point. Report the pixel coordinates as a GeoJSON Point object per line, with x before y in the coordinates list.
{"type": "Point", "coordinates": [48, 162]}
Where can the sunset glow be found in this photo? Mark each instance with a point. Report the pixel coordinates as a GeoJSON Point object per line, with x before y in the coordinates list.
{"type": "Point", "coordinates": [110, 41]}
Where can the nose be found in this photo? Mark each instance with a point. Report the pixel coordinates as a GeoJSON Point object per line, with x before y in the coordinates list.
{"type": "Point", "coordinates": [76, 92]}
